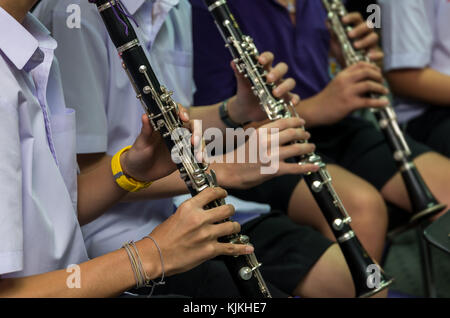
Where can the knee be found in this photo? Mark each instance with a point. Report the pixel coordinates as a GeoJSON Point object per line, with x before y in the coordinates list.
{"type": "Point", "coordinates": [368, 208]}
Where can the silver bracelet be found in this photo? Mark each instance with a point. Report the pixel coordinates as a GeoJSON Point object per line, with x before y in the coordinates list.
{"type": "Point", "coordinates": [161, 282]}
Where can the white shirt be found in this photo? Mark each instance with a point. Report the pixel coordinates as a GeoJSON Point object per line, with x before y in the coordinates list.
{"type": "Point", "coordinates": [39, 230]}
{"type": "Point", "coordinates": [108, 113]}
{"type": "Point", "coordinates": [415, 35]}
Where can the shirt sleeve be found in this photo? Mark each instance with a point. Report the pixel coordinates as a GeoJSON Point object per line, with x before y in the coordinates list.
{"type": "Point", "coordinates": [11, 230]}
{"type": "Point", "coordinates": [407, 35]}
{"type": "Point", "coordinates": [84, 62]}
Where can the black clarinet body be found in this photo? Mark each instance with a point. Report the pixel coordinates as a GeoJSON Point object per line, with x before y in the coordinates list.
{"type": "Point", "coordinates": [245, 55]}
{"type": "Point", "coordinates": [423, 203]}
{"type": "Point", "coordinates": [163, 114]}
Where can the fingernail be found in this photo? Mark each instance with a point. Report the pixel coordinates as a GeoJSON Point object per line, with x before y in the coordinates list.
{"type": "Point", "coordinates": [249, 249]}
{"type": "Point", "coordinates": [186, 115]}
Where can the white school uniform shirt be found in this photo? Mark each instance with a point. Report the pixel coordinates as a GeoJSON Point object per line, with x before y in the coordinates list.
{"type": "Point", "coordinates": [39, 230]}
{"type": "Point", "coordinates": [108, 113]}
{"type": "Point", "coordinates": [415, 35]}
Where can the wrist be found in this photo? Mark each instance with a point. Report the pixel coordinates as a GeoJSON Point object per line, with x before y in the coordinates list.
{"type": "Point", "coordinates": [312, 110]}
{"type": "Point", "coordinates": [124, 163]}
{"type": "Point", "coordinates": [150, 258]}
{"type": "Point", "coordinates": [226, 175]}
{"type": "Point", "coordinates": [235, 113]}
{"type": "Point", "coordinates": [122, 175]}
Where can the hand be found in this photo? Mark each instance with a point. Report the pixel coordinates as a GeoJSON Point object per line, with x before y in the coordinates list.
{"type": "Point", "coordinates": [245, 107]}
{"type": "Point", "coordinates": [189, 237]}
{"type": "Point", "coordinates": [248, 174]}
{"type": "Point", "coordinates": [149, 159]}
{"type": "Point", "coordinates": [364, 38]}
{"type": "Point", "coordinates": [348, 91]}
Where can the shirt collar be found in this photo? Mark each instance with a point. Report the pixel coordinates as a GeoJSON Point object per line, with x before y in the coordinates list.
{"type": "Point", "coordinates": [133, 5]}
{"type": "Point", "coordinates": [21, 43]}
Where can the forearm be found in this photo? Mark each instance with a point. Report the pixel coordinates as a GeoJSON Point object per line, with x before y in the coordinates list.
{"type": "Point", "coordinates": [426, 85]}
{"type": "Point", "coordinates": [167, 187]}
{"type": "Point", "coordinates": [310, 110]}
{"type": "Point", "coordinates": [209, 115]}
{"type": "Point", "coordinates": [97, 191]}
{"type": "Point", "coordinates": [105, 276]}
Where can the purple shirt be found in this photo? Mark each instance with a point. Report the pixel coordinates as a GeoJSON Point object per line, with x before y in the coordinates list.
{"type": "Point", "coordinates": [304, 46]}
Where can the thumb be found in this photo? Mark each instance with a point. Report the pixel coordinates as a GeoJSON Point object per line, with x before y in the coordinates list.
{"type": "Point", "coordinates": [147, 129]}
{"type": "Point", "coordinates": [240, 78]}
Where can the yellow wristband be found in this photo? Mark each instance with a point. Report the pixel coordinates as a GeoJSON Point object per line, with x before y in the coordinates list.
{"type": "Point", "coordinates": [127, 183]}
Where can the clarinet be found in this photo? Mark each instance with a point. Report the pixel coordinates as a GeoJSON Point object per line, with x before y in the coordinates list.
{"type": "Point", "coordinates": [162, 111]}
{"type": "Point", "coordinates": [423, 202]}
{"type": "Point", "coordinates": [245, 55]}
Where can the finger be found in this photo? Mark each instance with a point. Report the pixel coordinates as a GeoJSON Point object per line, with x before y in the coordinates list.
{"type": "Point", "coordinates": [277, 73]}
{"type": "Point", "coordinates": [296, 150]}
{"type": "Point", "coordinates": [240, 78]}
{"type": "Point", "coordinates": [294, 99]}
{"type": "Point", "coordinates": [353, 18]}
{"type": "Point", "coordinates": [224, 229]}
{"type": "Point", "coordinates": [359, 30]}
{"type": "Point", "coordinates": [369, 41]}
{"type": "Point", "coordinates": [366, 87]}
{"type": "Point", "coordinates": [362, 65]}
{"type": "Point", "coordinates": [220, 213]}
{"type": "Point", "coordinates": [373, 102]}
{"type": "Point", "coordinates": [284, 88]}
{"type": "Point", "coordinates": [366, 74]}
{"type": "Point", "coordinates": [147, 128]}
{"type": "Point", "coordinates": [183, 113]}
{"type": "Point", "coordinates": [233, 249]}
{"type": "Point", "coordinates": [285, 123]}
{"type": "Point", "coordinates": [291, 135]}
{"type": "Point", "coordinates": [266, 59]}
{"type": "Point", "coordinates": [208, 195]}
{"type": "Point", "coordinates": [375, 55]}
{"type": "Point", "coordinates": [296, 168]}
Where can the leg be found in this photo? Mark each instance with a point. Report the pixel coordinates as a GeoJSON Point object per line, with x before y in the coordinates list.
{"type": "Point", "coordinates": [361, 200]}
{"type": "Point", "coordinates": [330, 277]}
{"type": "Point", "coordinates": [431, 128]}
{"type": "Point", "coordinates": [435, 170]}
{"type": "Point", "coordinates": [298, 260]}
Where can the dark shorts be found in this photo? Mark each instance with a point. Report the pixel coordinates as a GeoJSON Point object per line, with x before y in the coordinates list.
{"type": "Point", "coordinates": [286, 250]}
{"type": "Point", "coordinates": [358, 146]}
{"type": "Point", "coordinates": [276, 192]}
{"type": "Point", "coordinates": [432, 129]}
